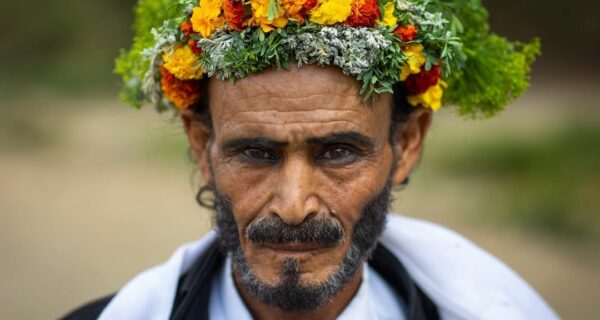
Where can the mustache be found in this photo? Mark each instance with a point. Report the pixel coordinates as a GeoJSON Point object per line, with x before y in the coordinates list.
{"type": "Point", "coordinates": [324, 230]}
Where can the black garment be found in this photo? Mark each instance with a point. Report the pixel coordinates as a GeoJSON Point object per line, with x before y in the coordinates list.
{"type": "Point", "coordinates": [193, 290]}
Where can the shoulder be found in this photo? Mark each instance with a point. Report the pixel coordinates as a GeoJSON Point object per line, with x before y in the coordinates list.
{"type": "Point", "coordinates": [464, 280]}
{"type": "Point", "coordinates": [90, 310]}
{"type": "Point", "coordinates": [144, 296]}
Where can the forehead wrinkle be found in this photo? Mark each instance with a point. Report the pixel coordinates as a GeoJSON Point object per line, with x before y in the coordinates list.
{"type": "Point", "coordinates": [277, 95]}
{"type": "Point", "coordinates": [310, 114]}
{"type": "Point", "coordinates": [288, 123]}
{"type": "Point", "coordinates": [298, 116]}
{"type": "Point", "coordinates": [327, 101]}
{"type": "Point", "coordinates": [276, 81]}
{"type": "Point", "coordinates": [297, 132]}
{"type": "Point", "coordinates": [294, 117]}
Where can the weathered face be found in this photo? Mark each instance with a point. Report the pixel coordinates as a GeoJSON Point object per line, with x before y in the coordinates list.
{"type": "Point", "coordinates": [298, 145]}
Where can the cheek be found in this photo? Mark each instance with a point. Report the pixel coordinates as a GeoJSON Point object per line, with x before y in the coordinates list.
{"type": "Point", "coordinates": [347, 191]}
{"type": "Point", "coordinates": [248, 189]}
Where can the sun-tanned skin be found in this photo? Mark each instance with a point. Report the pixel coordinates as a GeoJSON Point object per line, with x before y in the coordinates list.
{"type": "Point", "coordinates": [294, 144]}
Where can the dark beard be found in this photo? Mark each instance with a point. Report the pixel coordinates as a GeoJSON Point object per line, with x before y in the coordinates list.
{"type": "Point", "coordinates": [289, 294]}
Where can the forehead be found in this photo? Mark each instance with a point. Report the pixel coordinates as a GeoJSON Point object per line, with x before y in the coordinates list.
{"type": "Point", "coordinates": [295, 105]}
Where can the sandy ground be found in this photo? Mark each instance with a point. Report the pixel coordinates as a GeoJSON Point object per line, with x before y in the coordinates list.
{"type": "Point", "coordinates": [83, 214]}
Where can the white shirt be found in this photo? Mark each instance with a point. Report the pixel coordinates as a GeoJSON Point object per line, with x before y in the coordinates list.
{"type": "Point", "coordinates": [226, 303]}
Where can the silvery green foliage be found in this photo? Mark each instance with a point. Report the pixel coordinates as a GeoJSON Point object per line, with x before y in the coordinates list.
{"type": "Point", "coordinates": [354, 50]}
{"type": "Point", "coordinates": [188, 5]}
{"type": "Point", "coordinates": [214, 51]}
{"type": "Point", "coordinates": [151, 86]}
{"type": "Point", "coordinates": [167, 37]}
{"type": "Point", "coordinates": [428, 22]}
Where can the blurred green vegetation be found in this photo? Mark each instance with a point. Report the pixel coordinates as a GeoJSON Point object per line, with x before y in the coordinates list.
{"type": "Point", "coordinates": [549, 183]}
{"type": "Point", "coordinates": [62, 45]}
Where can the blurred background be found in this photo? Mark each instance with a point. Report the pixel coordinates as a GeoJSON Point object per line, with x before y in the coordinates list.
{"type": "Point", "coordinates": [92, 192]}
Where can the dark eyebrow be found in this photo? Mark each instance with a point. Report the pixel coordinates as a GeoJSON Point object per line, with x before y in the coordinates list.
{"type": "Point", "coordinates": [349, 137]}
{"type": "Point", "coordinates": [259, 142]}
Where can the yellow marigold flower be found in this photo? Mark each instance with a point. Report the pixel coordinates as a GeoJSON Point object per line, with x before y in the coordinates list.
{"type": "Point", "coordinates": [328, 12]}
{"type": "Point", "coordinates": [206, 18]}
{"type": "Point", "coordinates": [388, 19]}
{"type": "Point", "coordinates": [432, 98]}
{"type": "Point", "coordinates": [183, 63]}
{"type": "Point", "coordinates": [415, 59]}
{"type": "Point", "coordinates": [260, 16]}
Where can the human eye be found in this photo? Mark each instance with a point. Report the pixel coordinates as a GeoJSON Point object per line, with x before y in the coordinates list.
{"type": "Point", "coordinates": [257, 155]}
{"type": "Point", "coordinates": [338, 155]}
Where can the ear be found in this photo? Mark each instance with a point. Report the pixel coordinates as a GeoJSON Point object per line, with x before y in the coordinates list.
{"type": "Point", "coordinates": [409, 138]}
{"type": "Point", "coordinates": [199, 138]}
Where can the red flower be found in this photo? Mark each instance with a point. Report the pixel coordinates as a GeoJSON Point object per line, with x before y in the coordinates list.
{"type": "Point", "coordinates": [183, 93]}
{"type": "Point", "coordinates": [234, 14]}
{"type": "Point", "coordinates": [193, 44]}
{"type": "Point", "coordinates": [408, 33]}
{"type": "Point", "coordinates": [307, 6]}
{"type": "Point", "coordinates": [365, 15]}
{"type": "Point", "coordinates": [420, 82]}
{"type": "Point", "coordinates": [186, 28]}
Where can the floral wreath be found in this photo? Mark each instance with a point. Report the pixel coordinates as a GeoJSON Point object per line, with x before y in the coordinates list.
{"type": "Point", "coordinates": [441, 50]}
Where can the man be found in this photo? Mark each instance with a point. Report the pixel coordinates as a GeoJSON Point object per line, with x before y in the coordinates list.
{"type": "Point", "coordinates": [301, 167]}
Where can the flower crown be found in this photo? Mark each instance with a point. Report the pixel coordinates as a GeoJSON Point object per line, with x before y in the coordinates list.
{"type": "Point", "coordinates": [441, 50]}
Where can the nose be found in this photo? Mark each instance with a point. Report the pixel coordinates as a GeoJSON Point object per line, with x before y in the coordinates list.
{"type": "Point", "coordinates": [295, 198]}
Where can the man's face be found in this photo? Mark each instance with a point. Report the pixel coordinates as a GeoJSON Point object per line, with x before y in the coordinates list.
{"type": "Point", "coordinates": [290, 148]}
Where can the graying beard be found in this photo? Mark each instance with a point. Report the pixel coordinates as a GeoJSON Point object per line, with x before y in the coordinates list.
{"type": "Point", "coordinates": [289, 294]}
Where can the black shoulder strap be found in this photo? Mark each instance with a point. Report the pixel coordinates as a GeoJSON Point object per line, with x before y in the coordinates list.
{"type": "Point", "coordinates": [418, 305]}
{"type": "Point", "coordinates": [193, 291]}
{"type": "Point", "coordinates": [89, 311]}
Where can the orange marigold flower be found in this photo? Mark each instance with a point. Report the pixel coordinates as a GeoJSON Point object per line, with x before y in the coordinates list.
{"type": "Point", "coordinates": [193, 44]}
{"type": "Point", "coordinates": [307, 6]}
{"type": "Point", "coordinates": [408, 33]}
{"type": "Point", "coordinates": [186, 28]}
{"type": "Point", "coordinates": [294, 9]}
{"type": "Point", "coordinates": [234, 14]}
{"type": "Point", "coordinates": [182, 93]}
{"type": "Point", "coordinates": [364, 13]}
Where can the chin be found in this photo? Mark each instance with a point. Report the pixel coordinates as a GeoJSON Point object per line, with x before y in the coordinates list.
{"type": "Point", "coordinates": [292, 285]}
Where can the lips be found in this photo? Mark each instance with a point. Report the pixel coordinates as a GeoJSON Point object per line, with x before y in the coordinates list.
{"type": "Point", "coordinates": [294, 248]}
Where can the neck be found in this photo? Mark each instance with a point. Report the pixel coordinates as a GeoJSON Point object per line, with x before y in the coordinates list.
{"type": "Point", "coordinates": [329, 310]}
